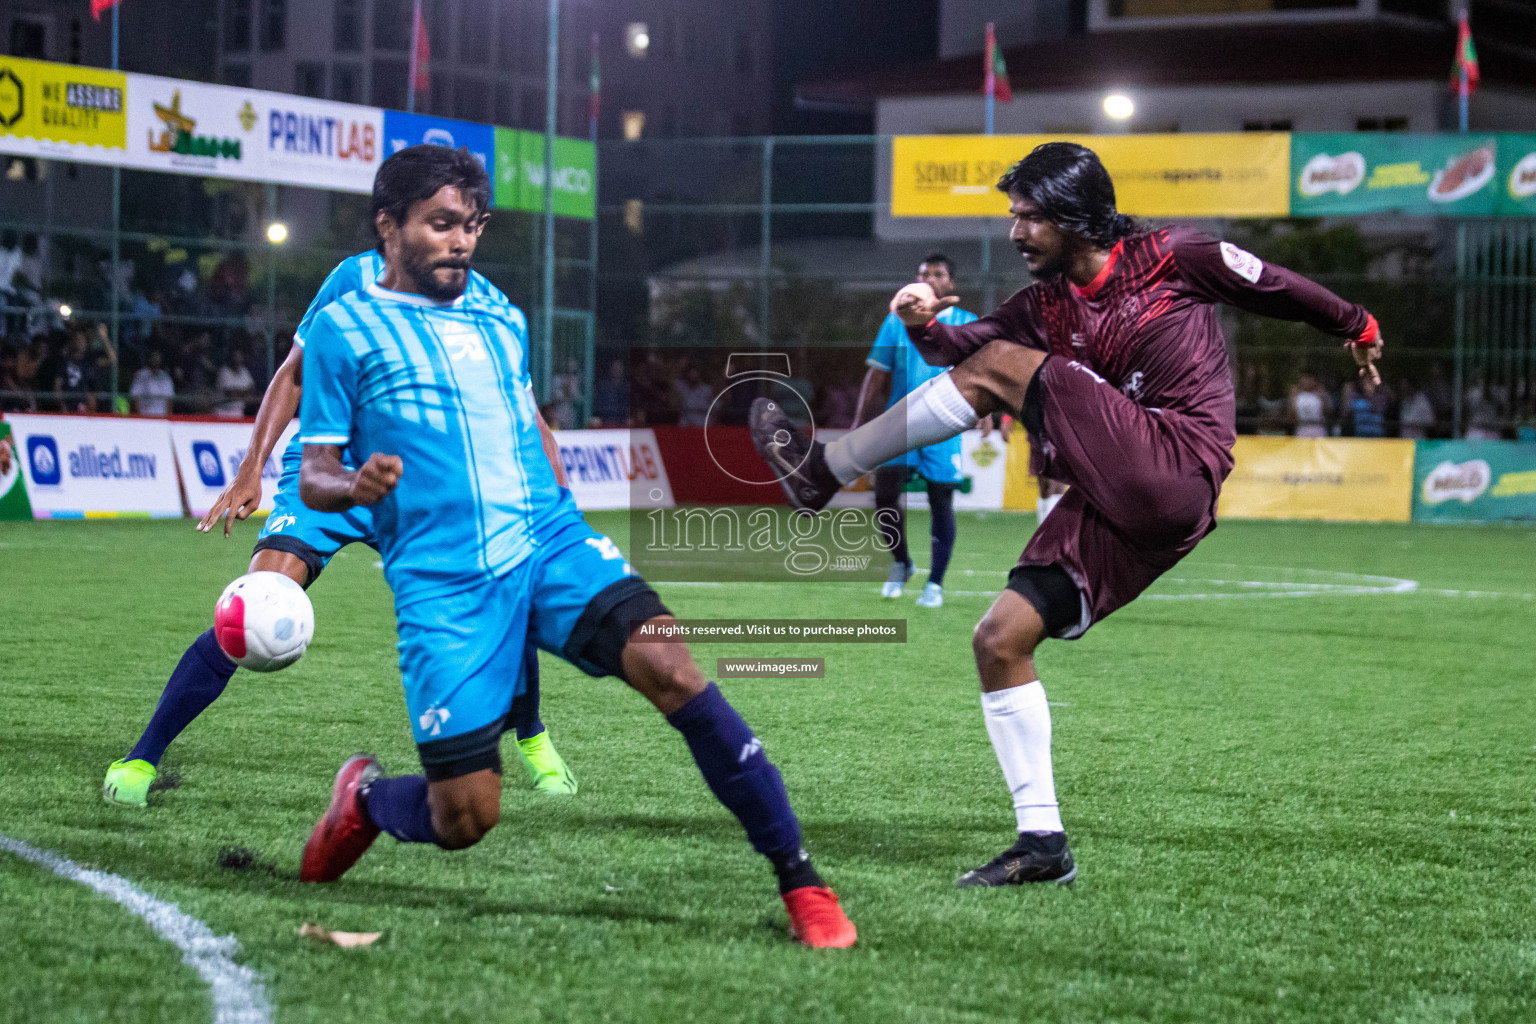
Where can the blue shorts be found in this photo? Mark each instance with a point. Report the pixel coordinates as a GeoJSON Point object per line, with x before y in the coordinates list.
{"type": "Point", "coordinates": [312, 536]}
{"type": "Point", "coordinates": [941, 463]}
{"type": "Point", "coordinates": [461, 655]}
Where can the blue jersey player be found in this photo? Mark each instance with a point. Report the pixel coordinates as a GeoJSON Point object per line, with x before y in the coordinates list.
{"type": "Point", "coordinates": [893, 359]}
{"type": "Point", "coordinates": [298, 542]}
{"type": "Point", "coordinates": [424, 389]}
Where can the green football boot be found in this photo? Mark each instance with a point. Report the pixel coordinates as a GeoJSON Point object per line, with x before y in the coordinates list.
{"type": "Point", "coordinates": [128, 783]}
{"type": "Point", "coordinates": [546, 769]}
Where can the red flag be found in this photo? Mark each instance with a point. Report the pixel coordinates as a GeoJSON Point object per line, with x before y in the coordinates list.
{"type": "Point", "coordinates": [421, 51]}
{"type": "Point", "coordinates": [1466, 58]}
{"type": "Point", "coordinates": [997, 72]}
{"type": "Point", "coordinates": [97, 6]}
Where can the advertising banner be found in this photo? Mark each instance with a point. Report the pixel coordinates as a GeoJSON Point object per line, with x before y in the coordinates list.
{"type": "Point", "coordinates": [1517, 175]}
{"type": "Point", "coordinates": [62, 110]}
{"type": "Point", "coordinates": [1340, 478]}
{"type": "Point", "coordinates": [1371, 172]}
{"type": "Point", "coordinates": [86, 467]}
{"type": "Point", "coordinates": [402, 130]}
{"type": "Point", "coordinates": [1239, 174]}
{"type": "Point", "coordinates": [1020, 488]}
{"type": "Point", "coordinates": [1474, 481]}
{"type": "Point", "coordinates": [13, 490]}
{"type": "Point", "coordinates": [614, 469]}
{"type": "Point", "coordinates": [227, 132]}
{"type": "Point", "coordinates": [209, 455]}
{"type": "Point", "coordinates": [519, 174]}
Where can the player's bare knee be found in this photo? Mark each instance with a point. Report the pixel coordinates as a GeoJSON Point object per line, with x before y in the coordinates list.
{"type": "Point", "coordinates": [999, 640]}
{"type": "Point", "coordinates": [463, 824]}
{"type": "Point", "coordinates": [664, 673]}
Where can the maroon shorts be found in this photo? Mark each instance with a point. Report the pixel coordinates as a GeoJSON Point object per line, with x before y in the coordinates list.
{"type": "Point", "coordinates": [1144, 486]}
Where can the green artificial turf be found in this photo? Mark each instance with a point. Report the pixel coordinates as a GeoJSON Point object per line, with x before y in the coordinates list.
{"type": "Point", "coordinates": [1299, 808]}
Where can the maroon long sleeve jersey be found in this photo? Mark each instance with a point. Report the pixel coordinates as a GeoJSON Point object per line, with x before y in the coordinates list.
{"type": "Point", "coordinates": [1147, 324]}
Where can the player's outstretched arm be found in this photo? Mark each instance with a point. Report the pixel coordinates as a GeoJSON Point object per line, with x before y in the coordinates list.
{"type": "Point", "coordinates": [278, 406]}
{"type": "Point", "coordinates": [326, 485]}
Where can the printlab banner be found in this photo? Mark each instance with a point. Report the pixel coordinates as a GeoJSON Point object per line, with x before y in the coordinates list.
{"type": "Point", "coordinates": [210, 454]}
{"type": "Point", "coordinates": [610, 469]}
{"type": "Point", "coordinates": [1240, 174]}
{"type": "Point", "coordinates": [1474, 481]}
{"type": "Point", "coordinates": [85, 467]}
{"type": "Point", "coordinates": [1341, 478]}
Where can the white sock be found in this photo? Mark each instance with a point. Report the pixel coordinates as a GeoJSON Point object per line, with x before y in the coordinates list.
{"type": "Point", "coordinates": [934, 411]}
{"type": "Point", "coordinates": [1019, 723]}
{"type": "Point", "coordinates": [1044, 505]}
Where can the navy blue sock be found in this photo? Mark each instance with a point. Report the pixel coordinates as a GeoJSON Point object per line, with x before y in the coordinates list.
{"type": "Point", "coordinates": [524, 716]}
{"type": "Point", "coordinates": [399, 806]}
{"type": "Point", "coordinates": [745, 781]}
{"type": "Point", "coordinates": [200, 676]}
{"type": "Point", "coordinates": [941, 507]}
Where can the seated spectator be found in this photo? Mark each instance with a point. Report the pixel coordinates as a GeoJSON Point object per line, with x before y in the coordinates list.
{"type": "Point", "coordinates": [74, 378]}
{"type": "Point", "coordinates": [153, 387]}
{"type": "Point", "coordinates": [1418, 415]}
{"type": "Point", "coordinates": [1366, 414]}
{"type": "Point", "coordinates": [565, 393]}
{"type": "Point", "coordinates": [234, 385]}
{"type": "Point", "coordinates": [694, 397]}
{"type": "Point", "coordinates": [610, 398]}
{"type": "Point", "coordinates": [1309, 408]}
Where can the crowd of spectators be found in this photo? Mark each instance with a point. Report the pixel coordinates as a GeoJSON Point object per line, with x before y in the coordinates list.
{"type": "Point", "coordinates": [181, 347]}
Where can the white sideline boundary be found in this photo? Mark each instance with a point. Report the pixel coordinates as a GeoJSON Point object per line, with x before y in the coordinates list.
{"type": "Point", "coordinates": [238, 995]}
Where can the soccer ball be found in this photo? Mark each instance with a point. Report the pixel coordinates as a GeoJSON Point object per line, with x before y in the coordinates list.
{"type": "Point", "coordinates": [264, 621]}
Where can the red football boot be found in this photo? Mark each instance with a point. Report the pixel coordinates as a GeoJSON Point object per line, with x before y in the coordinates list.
{"type": "Point", "coordinates": [816, 920]}
{"type": "Point", "coordinates": [343, 832]}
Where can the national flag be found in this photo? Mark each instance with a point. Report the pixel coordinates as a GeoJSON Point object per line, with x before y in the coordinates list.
{"type": "Point", "coordinates": [997, 72]}
{"type": "Point", "coordinates": [97, 6]}
{"type": "Point", "coordinates": [1466, 58]}
{"type": "Point", "coordinates": [421, 52]}
{"type": "Point", "coordinates": [595, 82]}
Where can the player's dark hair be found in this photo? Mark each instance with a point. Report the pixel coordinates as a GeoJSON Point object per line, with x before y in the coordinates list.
{"type": "Point", "coordinates": [938, 257]}
{"type": "Point", "coordinates": [1072, 189]}
{"type": "Point", "coordinates": [420, 172]}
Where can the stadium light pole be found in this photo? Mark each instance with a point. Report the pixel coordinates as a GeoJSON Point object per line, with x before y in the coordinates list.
{"type": "Point", "coordinates": [551, 107]}
{"type": "Point", "coordinates": [115, 316]}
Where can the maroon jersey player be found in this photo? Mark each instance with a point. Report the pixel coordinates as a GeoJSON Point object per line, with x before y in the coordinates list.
{"type": "Point", "coordinates": [1115, 364]}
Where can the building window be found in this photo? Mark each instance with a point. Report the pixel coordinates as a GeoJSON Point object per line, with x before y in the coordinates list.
{"type": "Point", "coordinates": [274, 25]}
{"type": "Point", "coordinates": [347, 83]}
{"type": "Point", "coordinates": [392, 24]}
{"type": "Point", "coordinates": [1381, 124]}
{"type": "Point", "coordinates": [634, 216]}
{"type": "Point", "coordinates": [347, 26]}
{"type": "Point", "coordinates": [28, 39]}
{"type": "Point", "coordinates": [309, 79]}
{"type": "Point", "coordinates": [637, 39]}
{"type": "Point", "coordinates": [472, 100]}
{"type": "Point", "coordinates": [741, 124]}
{"type": "Point", "coordinates": [237, 74]}
{"type": "Point", "coordinates": [533, 109]}
{"type": "Point", "coordinates": [506, 103]}
{"type": "Point", "coordinates": [634, 125]}
{"type": "Point", "coordinates": [1282, 124]}
{"type": "Point", "coordinates": [387, 85]}
{"type": "Point", "coordinates": [743, 52]}
{"type": "Point", "coordinates": [237, 26]}
{"type": "Point", "coordinates": [476, 24]}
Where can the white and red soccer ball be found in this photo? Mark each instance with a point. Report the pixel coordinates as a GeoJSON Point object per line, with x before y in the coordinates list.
{"type": "Point", "coordinates": [264, 621]}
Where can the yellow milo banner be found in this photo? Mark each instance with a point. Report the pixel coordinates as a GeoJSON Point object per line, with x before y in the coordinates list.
{"type": "Point", "coordinates": [1020, 489]}
{"type": "Point", "coordinates": [1235, 174]}
{"type": "Point", "coordinates": [61, 110]}
{"type": "Point", "coordinates": [1342, 478]}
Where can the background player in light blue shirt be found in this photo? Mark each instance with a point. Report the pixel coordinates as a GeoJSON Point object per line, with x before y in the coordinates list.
{"type": "Point", "coordinates": [425, 389]}
{"type": "Point", "coordinates": [299, 542]}
{"type": "Point", "coordinates": [893, 359]}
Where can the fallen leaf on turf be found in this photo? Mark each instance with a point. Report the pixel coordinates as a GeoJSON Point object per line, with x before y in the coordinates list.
{"type": "Point", "coordinates": [346, 940]}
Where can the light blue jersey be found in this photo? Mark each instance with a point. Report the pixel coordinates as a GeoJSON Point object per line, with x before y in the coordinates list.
{"type": "Point", "coordinates": [894, 352]}
{"type": "Point", "coordinates": [444, 386]}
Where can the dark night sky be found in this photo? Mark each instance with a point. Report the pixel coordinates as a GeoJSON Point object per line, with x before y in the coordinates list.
{"type": "Point", "coordinates": [817, 37]}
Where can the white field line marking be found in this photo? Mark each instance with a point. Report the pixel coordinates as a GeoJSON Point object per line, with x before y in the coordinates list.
{"type": "Point", "coordinates": [238, 996]}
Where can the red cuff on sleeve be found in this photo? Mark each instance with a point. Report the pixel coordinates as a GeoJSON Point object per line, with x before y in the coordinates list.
{"type": "Point", "coordinates": [1371, 334]}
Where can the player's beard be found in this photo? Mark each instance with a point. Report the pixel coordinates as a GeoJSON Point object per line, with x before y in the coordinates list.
{"type": "Point", "coordinates": [423, 273]}
{"type": "Point", "coordinates": [1054, 266]}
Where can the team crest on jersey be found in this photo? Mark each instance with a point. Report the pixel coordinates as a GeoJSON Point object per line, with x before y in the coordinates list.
{"type": "Point", "coordinates": [1242, 263]}
{"type": "Point", "coordinates": [1132, 386]}
{"type": "Point", "coordinates": [463, 342]}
